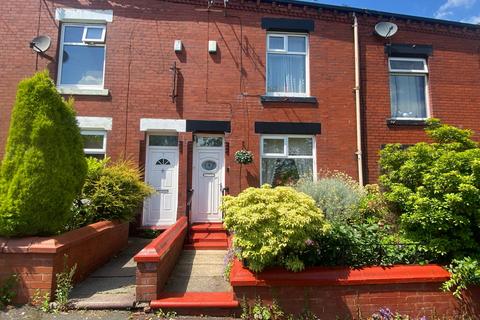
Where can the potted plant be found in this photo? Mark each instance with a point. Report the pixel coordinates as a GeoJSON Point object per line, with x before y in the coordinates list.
{"type": "Point", "coordinates": [243, 156]}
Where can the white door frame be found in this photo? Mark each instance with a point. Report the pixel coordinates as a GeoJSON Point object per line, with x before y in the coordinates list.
{"type": "Point", "coordinates": [147, 172]}
{"type": "Point", "coordinates": [195, 168]}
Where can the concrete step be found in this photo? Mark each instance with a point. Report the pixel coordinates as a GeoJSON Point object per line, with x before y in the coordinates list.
{"type": "Point", "coordinates": [202, 257]}
{"type": "Point", "coordinates": [104, 301]}
{"type": "Point", "coordinates": [186, 283]}
{"type": "Point", "coordinates": [204, 253]}
{"type": "Point", "coordinates": [199, 271]}
{"type": "Point", "coordinates": [212, 245]}
{"type": "Point", "coordinates": [198, 259]}
{"type": "Point", "coordinates": [196, 269]}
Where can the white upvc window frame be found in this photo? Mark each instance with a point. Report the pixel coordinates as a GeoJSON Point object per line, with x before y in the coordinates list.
{"type": "Point", "coordinates": [93, 40]}
{"type": "Point", "coordinates": [87, 151]}
{"type": "Point", "coordinates": [86, 42]}
{"type": "Point", "coordinates": [285, 50]}
{"type": "Point", "coordinates": [285, 154]}
{"type": "Point", "coordinates": [412, 72]}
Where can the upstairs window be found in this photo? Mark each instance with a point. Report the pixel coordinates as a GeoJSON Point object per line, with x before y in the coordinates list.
{"type": "Point", "coordinates": [82, 56]}
{"type": "Point", "coordinates": [287, 64]}
{"type": "Point", "coordinates": [408, 88]}
{"type": "Point", "coordinates": [94, 143]}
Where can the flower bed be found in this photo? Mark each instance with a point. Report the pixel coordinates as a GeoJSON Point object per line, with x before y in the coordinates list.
{"type": "Point", "coordinates": [347, 293]}
{"type": "Point", "coordinates": [36, 260]}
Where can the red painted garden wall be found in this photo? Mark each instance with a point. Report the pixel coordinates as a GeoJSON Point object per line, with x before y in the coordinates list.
{"type": "Point", "coordinates": [156, 261]}
{"type": "Point", "coordinates": [36, 260]}
{"type": "Point", "coordinates": [338, 293]}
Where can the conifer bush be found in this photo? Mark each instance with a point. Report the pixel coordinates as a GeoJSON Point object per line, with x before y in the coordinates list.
{"type": "Point", "coordinates": [272, 225]}
{"type": "Point", "coordinates": [44, 166]}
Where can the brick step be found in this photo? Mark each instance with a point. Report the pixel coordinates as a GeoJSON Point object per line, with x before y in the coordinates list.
{"type": "Point", "coordinates": [207, 227]}
{"type": "Point", "coordinates": [212, 245]}
{"type": "Point", "coordinates": [207, 237]}
{"type": "Point", "coordinates": [196, 303]}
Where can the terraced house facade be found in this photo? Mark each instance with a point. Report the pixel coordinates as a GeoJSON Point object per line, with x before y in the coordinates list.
{"type": "Point", "coordinates": [179, 86]}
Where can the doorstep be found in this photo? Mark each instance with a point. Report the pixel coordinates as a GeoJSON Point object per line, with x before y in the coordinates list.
{"type": "Point", "coordinates": [207, 236]}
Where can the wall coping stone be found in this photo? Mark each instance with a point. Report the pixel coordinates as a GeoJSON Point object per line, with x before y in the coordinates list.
{"type": "Point", "coordinates": [54, 244]}
{"type": "Point", "coordinates": [240, 276]}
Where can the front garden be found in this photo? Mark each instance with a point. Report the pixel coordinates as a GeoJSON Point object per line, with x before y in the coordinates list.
{"type": "Point", "coordinates": [425, 210]}
{"type": "Point", "coordinates": [59, 210]}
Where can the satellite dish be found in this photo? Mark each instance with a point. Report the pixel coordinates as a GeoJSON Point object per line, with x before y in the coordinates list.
{"type": "Point", "coordinates": [40, 44]}
{"type": "Point", "coordinates": [386, 29]}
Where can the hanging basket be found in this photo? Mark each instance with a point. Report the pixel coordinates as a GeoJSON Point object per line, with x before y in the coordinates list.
{"type": "Point", "coordinates": [243, 156]}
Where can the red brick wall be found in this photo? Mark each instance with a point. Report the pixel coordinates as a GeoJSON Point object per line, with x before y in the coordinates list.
{"type": "Point", "coordinates": [227, 86]}
{"type": "Point", "coordinates": [344, 293]}
{"type": "Point", "coordinates": [156, 261]}
{"type": "Point", "coordinates": [37, 260]}
{"type": "Point", "coordinates": [360, 302]}
{"type": "Point", "coordinates": [453, 80]}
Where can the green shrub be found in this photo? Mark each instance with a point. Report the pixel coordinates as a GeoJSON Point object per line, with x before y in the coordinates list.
{"type": "Point", "coordinates": [8, 290]}
{"type": "Point", "coordinates": [111, 192]}
{"type": "Point", "coordinates": [337, 195]}
{"type": "Point", "coordinates": [436, 188]}
{"type": "Point", "coordinates": [64, 286]}
{"type": "Point", "coordinates": [464, 272]}
{"type": "Point", "coordinates": [269, 222]}
{"type": "Point", "coordinates": [44, 166]}
{"type": "Point", "coordinates": [261, 311]}
{"type": "Point", "coordinates": [374, 206]}
{"type": "Point", "coordinates": [359, 245]}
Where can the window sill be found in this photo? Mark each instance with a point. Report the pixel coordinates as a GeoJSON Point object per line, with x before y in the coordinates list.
{"type": "Point", "coordinates": [83, 92]}
{"type": "Point", "coordinates": [283, 99]}
{"type": "Point", "coordinates": [406, 122]}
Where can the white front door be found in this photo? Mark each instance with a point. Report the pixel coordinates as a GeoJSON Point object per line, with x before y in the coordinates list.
{"type": "Point", "coordinates": [160, 209]}
{"type": "Point", "coordinates": [208, 178]}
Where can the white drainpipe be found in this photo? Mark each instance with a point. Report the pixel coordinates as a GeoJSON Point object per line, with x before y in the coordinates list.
{"type": "Point", "coordinates": [357, 100]}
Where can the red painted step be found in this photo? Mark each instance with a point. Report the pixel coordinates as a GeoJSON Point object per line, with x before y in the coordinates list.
{"type": "Point", "coordinates": [195, 300]}
{"type": "Point", "coordinates": [208, 227]}
{"type": "Point", "coordinates": [208, 237]}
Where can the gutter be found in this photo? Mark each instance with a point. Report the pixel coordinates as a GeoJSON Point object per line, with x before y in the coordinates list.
{"type": "Point", "coordinates": [357, 100]}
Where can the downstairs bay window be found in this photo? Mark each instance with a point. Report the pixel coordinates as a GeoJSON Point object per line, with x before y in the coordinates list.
{"type": "Point", "coordinates": [285, 159]}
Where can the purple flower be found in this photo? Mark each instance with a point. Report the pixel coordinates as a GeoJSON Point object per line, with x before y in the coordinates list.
{"type": "Point", "coordinates": [386, 313]}
{"type": "Point", "coordinates": [423, 318]}
{"type": "Point", "coordinates": [309, 242]}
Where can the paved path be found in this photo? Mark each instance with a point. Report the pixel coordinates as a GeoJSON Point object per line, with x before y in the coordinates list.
{"type": "Point", "coordinates": [199, 271]}
{"type": "Point", "coordinates": [113, 285]}
{"type": "Point", "coordinates": [30, 313]}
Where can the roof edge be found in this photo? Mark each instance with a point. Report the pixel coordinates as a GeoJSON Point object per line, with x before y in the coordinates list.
{"type": "Point", "coordinates": [375, 13]}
